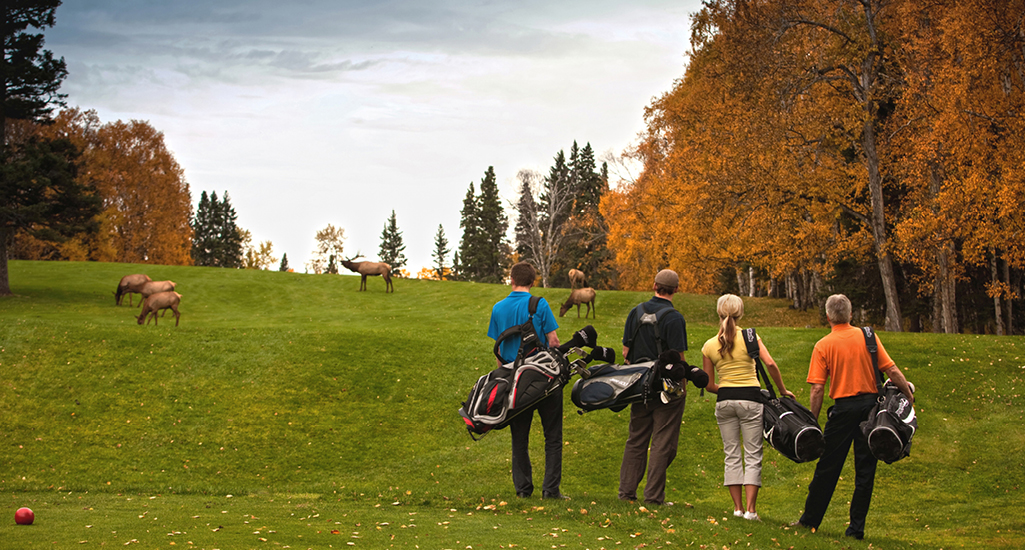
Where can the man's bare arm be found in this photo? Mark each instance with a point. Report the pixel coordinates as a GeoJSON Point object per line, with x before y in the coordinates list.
{"type": "Point", "coordinates": [902, 383]}
{"type": "Point", "coordinates": [818, 391]}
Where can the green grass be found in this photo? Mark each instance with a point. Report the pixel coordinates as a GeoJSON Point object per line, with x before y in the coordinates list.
{"type": "Point", "coordinates": [288, 407]}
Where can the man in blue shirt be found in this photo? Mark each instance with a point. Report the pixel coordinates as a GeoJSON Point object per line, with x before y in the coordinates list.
{"type": "Point", "coordinates": [513, 311]}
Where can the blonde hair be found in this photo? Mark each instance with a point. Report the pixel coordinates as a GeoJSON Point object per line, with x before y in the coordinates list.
{"type": "Point", "coordinates": [730, 308]}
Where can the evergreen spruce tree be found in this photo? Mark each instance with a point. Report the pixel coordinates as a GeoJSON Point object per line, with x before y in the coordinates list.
{"type": "Point", "coordinates": [493, 224]}
{"type": "Point", "coordinates": [216, 239]}
{"type": "Point", "coordinates": [440, 251]}
{"type": "Point", "coordinates": [392, 247]}
{"type": "Point", "coordinates": [527, 230]}
{"type": "Point", "coordinates": [284, 263]}
{"type": "Point", "coordinates": [38, 191]}
{"type": "Point", "coordinates": [229, 235]}
{"type": "Point", "coordinates": [469, 245]}
{"type": "Point", "coordinates": [203, 237]}
{"type": "Point", "coordinates": [456, 273]}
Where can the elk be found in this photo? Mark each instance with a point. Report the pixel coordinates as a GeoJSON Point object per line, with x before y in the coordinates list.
{"type": "Point", "coordinates": [577, 297]}
{"type": "Point", "coordinates": [154, 287]}
{"type": "Point", "coordinates": [156, 302]}
{"type": "Point", "coordinates": [130, 284]}
{"type": "Point", "coordinates": [576, 278]}
{"type": "Point", "coordinates": [370, 268]}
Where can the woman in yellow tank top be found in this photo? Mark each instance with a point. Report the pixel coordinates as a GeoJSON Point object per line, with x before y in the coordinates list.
{"type": "Point", "coordinates": [738, 407]}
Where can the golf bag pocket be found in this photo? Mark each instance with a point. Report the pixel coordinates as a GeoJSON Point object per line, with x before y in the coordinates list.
{"type": "Point", "coordinates": [790, 428]}
{"type": "Point", "coordinates": [505, 392]}
{"type": "Point", "coordinates": [890, 426]}
{"type": "Point", "coordinates": [614, 386]}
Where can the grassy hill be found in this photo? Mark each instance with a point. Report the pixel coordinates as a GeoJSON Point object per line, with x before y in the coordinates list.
{"type": "Point", "coordinates": [290, 410]}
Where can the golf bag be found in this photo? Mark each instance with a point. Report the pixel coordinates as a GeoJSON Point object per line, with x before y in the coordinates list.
{"type": "Point", "coordinates": [617, 386]}
{"type": "Point", "coordinates": [787, 425]}
{"type": "Point", "coordinates": [891, 423]}
{"type": "Point", "coordinates": [516, 387]}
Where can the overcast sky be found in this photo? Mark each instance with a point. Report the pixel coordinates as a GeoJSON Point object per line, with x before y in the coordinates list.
{"type": "Point", "coordinates": [335, 111]}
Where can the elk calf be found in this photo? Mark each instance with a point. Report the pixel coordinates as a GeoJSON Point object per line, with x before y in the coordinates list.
{"type": "Point", "coordinates": [577, 297]}
{"type": "Point", "coordinates": [159, 301]}
{"type": "Point", "coordinates": [130, 284]}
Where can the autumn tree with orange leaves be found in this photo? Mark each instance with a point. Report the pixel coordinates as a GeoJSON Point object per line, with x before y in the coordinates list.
{"type": "Point", "coordinates": [870, 147]}
{"type": "Point", "coordinates": [146, 200]}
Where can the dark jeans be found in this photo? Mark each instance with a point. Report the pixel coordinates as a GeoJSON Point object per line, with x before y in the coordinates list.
{"type": "Point", "coordinates": [841, 430]}
{"type": "Point", "coordinates": [550, 411]}
{"type": "Point", "coordinates": [658, 425]}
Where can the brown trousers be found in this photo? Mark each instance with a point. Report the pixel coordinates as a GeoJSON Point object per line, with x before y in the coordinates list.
{"type": "Point", "coordinates": [658, 425]}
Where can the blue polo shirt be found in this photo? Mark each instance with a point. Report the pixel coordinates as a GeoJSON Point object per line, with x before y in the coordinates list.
{"type": "Point", "coordinates": [513, 311]}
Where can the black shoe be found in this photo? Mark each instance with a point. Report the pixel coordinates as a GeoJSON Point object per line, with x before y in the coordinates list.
{"type": "Point", "coordinates": [523, 495]}
{"type": "Point", "coordinates": [856, 536]}
{"type": "Point", "coordinates": [802, 526]}
{"type": "Point", "coordinates": [557, 496]}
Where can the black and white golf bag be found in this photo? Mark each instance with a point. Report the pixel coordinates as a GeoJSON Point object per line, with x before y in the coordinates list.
{"type": "Point", "coordinates": [617, 386]}
{"type": "Point", "coordinates": [892, 422]}
{"type": "Point", "coordinates": [787, 425]}
{"type": "Point", "coordinates": [516, 387]}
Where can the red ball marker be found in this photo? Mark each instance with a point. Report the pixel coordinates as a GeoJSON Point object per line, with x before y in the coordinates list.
{"type": "Point", "coordinates": [24, 516]}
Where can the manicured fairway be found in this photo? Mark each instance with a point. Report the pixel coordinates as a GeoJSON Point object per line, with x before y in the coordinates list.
{"type": "Point", "coordinates": [290, 410]}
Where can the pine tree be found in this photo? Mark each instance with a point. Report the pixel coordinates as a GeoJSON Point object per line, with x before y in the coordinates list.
{"type": "Point", "coordinates": [38, 190]}
{"type": "Point", "coordinates": [392, 247]}
{"type": "Point", "coordinates": [203, 237]}
{"type": "Point", "coordinates": [284, 263]}
{"type": "Point", "coordinates": [230, 235]}
{"type": "Point", "coordinates": [440, 251]}
{"type": "Point", "coordinates": [216, 240]}
{"type": "Point", "coordinates": [469, 245]}
{"type": "Point", "coordinates": [456, 274]}
{"type": "Point", "coordinates": [493, 223]}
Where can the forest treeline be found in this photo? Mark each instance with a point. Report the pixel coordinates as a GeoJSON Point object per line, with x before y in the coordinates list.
{"type": "Point", "coordinates": [871, 147]}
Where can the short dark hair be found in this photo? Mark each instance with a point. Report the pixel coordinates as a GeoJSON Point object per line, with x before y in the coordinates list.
{"type": "Point", "coordinates": [523, 274]}
{"type": "Point", "coordinates": [665, 290]}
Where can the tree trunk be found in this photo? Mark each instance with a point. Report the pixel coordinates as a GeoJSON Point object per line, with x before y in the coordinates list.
{"type": "Point", "coordinates": [1010, 296]}
{"type": "Point", "coordinates": [741, 287]}
{"type": "Point", "coordinates": [752, 288]}
{"type": "Point", "coordinates": [867, 79]}
{"type": "Point", "coordinates": [995, 280]}
{"type": "Point", "coordinates": [5, 284]}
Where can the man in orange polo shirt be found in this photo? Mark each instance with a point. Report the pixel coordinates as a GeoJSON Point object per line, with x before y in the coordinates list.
{"type": "Point", "coordinates": [842, 357]}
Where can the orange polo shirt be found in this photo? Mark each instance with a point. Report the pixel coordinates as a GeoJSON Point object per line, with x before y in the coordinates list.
{"type": "Point", "coordinates": [841, 356]}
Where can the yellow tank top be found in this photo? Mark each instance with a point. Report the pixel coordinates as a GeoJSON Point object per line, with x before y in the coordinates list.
{"type": "Point", "coordinates": [733, 371]}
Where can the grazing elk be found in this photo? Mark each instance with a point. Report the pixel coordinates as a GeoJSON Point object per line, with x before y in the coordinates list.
{"type": "Point", "coordinates": [156, 302]}
{"type": "Point", "coordinates": [154, 287]}
{"type": "Point", "coordinates": [370, 268]}
{"type": "Point", "coordinates": [576, 278]}
{"type": "Point", "coordinates": [577, 297]}
{"type": "Point", "coordinates": [130, 284]}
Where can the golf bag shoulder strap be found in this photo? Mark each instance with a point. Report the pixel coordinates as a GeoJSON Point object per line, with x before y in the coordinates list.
{"type": "Point", "coordinates": [528, 335]}
{"type": "Point", "coordinates": [873, 349]}
{"type": "Point", "coordinates": [753, 351]}
{"type": "Point", "coordinates": [652, 319]}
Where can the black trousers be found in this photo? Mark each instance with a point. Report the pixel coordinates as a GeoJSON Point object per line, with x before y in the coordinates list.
{"type": "Point", "coordinates": [842, 429]}
{"type": "Point", "coordinates": [550, 411]}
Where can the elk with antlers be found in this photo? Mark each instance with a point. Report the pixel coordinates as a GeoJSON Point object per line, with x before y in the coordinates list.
{"type": "Point", "coordinates": [371, 269]}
